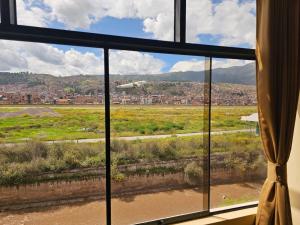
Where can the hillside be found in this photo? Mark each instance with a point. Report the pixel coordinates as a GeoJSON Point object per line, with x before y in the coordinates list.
{"type": "Point", "coordinates": [235, 75]}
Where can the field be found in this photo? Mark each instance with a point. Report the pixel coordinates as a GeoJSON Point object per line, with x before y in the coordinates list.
{"type": "Point", "coordinates": [20, 124]}
{"type": "Point", "coordinates": [85, 122]}
{"type": "Point", "coordinates": [28, 156]}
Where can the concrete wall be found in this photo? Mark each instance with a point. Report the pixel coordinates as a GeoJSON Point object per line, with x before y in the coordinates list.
{"type": "Point", "coordinates": [293, 171]}
{"type": "Point", "coordinates": [61, 192]}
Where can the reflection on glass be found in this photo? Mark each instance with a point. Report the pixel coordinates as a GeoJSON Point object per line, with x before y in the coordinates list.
{"type": "Point", "coordinates": [238, 166]}
{"type": "Point", "coordinates": [222, 22]}
{"type": "Point", "coordinates": [143, 19]}
{"type": "Point", "coordinates": [51, 136]}
{"type": "Point", "coordinates": [157, 145]}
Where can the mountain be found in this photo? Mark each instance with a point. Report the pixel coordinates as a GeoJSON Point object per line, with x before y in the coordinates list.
{"type": "Point", "coordinates": [235, 75]}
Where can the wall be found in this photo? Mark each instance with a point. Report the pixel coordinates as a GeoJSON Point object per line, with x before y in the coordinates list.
{"type": "Point", "coordinates": [60, 192]}
{"type": "Point", "coordinates": [293, 171]}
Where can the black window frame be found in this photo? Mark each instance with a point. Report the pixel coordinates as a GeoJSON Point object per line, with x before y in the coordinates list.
{"type": "Point", "coordinates": [10, 30]}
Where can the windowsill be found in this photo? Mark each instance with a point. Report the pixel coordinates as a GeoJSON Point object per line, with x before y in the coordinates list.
{"type": "Point", "coordinates": [239, 217]}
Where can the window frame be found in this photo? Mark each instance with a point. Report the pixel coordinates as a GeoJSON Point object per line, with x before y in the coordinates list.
{"type": "Point", "coordinates": [10, 30]}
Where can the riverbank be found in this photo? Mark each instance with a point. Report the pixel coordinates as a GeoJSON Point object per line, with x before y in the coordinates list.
{"type": "Point", "coordinates": [133, 209]}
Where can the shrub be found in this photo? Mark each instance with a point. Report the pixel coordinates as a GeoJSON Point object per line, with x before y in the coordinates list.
{"type": "Point", "coordinates": [93, 161]}
{"type": "Point", "coordinates": [38, 149]}
{"type": "Point", "coordinates": [116, 175]}
{"type": "Point", "coordinates": [56, 151]}
{"type": "Point", "coordinates": [193, 173]}
{"type": "Point", "coordinates": [72, 159]}
{"type": "Point", "coordinates": [20, 162]}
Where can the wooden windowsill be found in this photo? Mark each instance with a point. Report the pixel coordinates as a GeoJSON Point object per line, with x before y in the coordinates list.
{"type": "Point", "coordinates": [239, 217]}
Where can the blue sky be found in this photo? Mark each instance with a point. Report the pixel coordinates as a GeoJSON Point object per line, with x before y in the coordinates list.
{"type": "Point", "coordinates": [213, 22]}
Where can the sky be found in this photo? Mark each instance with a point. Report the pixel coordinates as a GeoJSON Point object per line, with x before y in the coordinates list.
{"type": "Point", "coordinates": [215, 22]}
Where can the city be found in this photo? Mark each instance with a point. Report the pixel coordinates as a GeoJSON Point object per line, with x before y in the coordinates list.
{"type": "Point", "coordinates": [174, 93]}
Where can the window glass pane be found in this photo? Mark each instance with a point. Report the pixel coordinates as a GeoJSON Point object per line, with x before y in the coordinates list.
{"type": "Point", "coordinates": [221, 22]}
{"type": "Point", "coordinates": [151, 19]}
{"type": "Point", "coordinates": [51, 134]}
{"type": "Point", "coordinates": [156, 128]}
{"type": "Point", "coordinates": [238, 166]}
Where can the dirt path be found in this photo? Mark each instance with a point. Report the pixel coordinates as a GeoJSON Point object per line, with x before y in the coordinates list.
{"type": "Point", "coordinates": [131, 209]}
{"type": "Point", "coordinates": [133, 138]}
{"type": "Point", "coordinates": [40, 111]}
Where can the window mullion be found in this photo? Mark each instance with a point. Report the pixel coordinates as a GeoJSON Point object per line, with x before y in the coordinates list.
{"type": "Point", "coordinates": [8, 12]}
{"type": "Point", "coordinates": [107, 137]}
{"type": "Point", "coordinates": [207, 133]}
{"type": "Point", "coordinates": [179, 20]}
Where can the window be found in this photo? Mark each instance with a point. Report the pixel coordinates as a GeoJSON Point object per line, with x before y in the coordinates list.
{"type": "Point", "coordinates": [238, 166]}
{"type": "Point", "coordinates": [221, 22]}
{"type": "Point", "coordinates": [157, 150]}
{"type": "Point", "coordinates": [143, 19]}
{"type": "Point", "coordinates": [52, 144]}
{"type": "Point", "coordinates": [123, 125]}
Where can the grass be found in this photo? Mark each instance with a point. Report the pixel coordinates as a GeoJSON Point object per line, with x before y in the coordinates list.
{"type": "Point", "coordinates": [240, 200]}
{"type": "Point", "coordinates": [82, 122]}
{"type": "Point", "coordinates": [78, 122]}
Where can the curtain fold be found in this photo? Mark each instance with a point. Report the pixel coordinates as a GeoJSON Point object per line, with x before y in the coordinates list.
{"type": "Point", "coordinates": [278, 82]}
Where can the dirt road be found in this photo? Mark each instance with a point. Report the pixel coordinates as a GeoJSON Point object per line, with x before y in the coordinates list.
{"type": "Point", "coordinates": [133, 138]}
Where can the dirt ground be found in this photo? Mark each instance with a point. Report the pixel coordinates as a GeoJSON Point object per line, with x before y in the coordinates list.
{"type": "Point", "coordinates": [133, 209]}
{"type": "Point", "coordinates": [30, 112]}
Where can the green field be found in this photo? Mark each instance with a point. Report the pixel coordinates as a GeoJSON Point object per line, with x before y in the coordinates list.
{"type": "Point", "coordinates": [243, 150]}
{"type": "Point", "coordinates": [83, 122]}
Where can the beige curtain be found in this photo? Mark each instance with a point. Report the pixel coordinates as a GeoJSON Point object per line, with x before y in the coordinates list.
{"type": "Point", "coordinates": [278, 81]}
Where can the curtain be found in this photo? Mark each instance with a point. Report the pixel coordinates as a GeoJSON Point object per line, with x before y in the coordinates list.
{"type": "Point", "coordinates": [278, 66]}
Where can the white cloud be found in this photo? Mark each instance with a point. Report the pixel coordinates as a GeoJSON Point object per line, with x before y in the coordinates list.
{"type": "Point", "coordinates": [188, 65]}
{"type": "Point", "coordinates": [126, 62]}
{"type": "Point", "coordinates": [160, 26]}
{"type": "Point", "coordinates": [10, 58]}
{"type": "Point", "coordinates": [76, 13]}
{"type": "Point", "coordinates": [82, 14]}
{"type": "Point", "coordinates": [225, 63]}
{"type": "Point", "coordinates": [233, 21]}
{"type": "Point", "coordinates": [45, 58]}
{"type": "Point", "coordinates": [31, 14]}
{"type": "Point", "coordinates": [71, 62]}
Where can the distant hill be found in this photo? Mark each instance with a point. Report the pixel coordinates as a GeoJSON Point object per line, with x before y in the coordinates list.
{"type": "Point", "coordinates": [235, 75]}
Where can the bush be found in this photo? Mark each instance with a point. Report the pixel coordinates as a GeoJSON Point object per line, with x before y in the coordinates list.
{"type": "Point", "coordinates": [116, 175]}
{"type": "Point", "coordinates": [20, 162]}
{"type": "Point", "coordinates": [193, 173]}
{"type": "Point", "coordinates": [14, 174]}
{"type": "Point", "coordinates": [93, 161]}
{"type": "Point", "coordinates": [72, 159]}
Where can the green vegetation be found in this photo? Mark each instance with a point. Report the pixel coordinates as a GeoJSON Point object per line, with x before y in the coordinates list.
{"type": "Point", "coordinates": [76, 122]}
{"type": "Point", "coordinates": [24, 163]}
{"type": "Point", "coordinates": [28, 162]}
{"type": "Point", "coordinates": [240, 200]}
{"type": "Point", "coordinates": [193, 173]}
